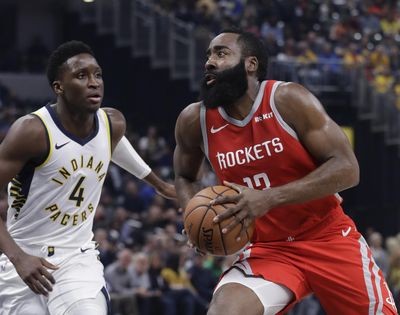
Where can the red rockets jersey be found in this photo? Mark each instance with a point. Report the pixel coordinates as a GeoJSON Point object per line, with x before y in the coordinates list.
{"type": "Point", "coordinates": [262, 151]}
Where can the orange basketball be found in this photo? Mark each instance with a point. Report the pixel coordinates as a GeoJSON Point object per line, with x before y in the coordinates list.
{"type": "Point", "coordinates": [207, 235]}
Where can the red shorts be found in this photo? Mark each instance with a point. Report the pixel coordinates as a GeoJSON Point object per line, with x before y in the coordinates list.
{"type": "Point", "coordinates": [336, 265]}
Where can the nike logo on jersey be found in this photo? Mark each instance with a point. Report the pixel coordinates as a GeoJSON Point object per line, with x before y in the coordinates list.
{"type": "Point", "coordinates": [345, 233]}
{"type": "Point", "coordinates": [84, 250]}
{"type": "Point", "coordinates": [61, 145]}
{"type": "Point", "coordinates": [215, 130]}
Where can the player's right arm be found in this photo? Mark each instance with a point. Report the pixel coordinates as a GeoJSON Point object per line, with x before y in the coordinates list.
{"type": "Point", "coordinates": [188, 154]}
{"type": "Point", "coordinates": [125, 156]}
{"type": "Point", "coordinates": [25, 142]}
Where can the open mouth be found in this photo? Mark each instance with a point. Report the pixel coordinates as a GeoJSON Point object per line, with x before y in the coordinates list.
{"type": "Point", "coordinates": [94, 99]}
{"type": "Point", "coordinates": [210, 78]}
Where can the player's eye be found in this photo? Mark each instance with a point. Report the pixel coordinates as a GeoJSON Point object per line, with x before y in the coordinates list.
{"type": "Point", "coordinates": [81, 75]}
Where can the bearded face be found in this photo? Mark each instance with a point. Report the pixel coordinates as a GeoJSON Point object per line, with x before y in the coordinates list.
{"type": "Point", "coordinates": [223, 88]}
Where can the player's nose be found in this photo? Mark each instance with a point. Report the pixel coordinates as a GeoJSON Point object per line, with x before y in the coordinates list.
{"type": "Point", "coordinates": [209, 65]}
{"type": "Point", "coordinates": [94, 82]}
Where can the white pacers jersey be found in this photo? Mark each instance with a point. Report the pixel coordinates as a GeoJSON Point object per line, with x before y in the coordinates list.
{"type": "Point", "coordinates": [53, 204]}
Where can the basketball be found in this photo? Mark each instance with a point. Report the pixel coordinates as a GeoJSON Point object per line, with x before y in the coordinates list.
{"type": "Point", "coordinates": [204, 233]}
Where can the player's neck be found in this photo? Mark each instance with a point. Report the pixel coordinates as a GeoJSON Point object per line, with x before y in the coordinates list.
{"type": "Point", "coordinates": [242, 107]}
{"type": "Point", "coordinates": [80, 124]}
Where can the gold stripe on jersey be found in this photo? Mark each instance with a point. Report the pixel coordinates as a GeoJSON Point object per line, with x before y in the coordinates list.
{"type": "Point", "coordinates": [108, 129]}
{"type": "Point", "coordinates": [50, 140]}
{"type": "Point", "coordinates": [19, 199]}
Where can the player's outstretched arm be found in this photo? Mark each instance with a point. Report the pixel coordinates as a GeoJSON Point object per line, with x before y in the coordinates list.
{"type": "Point", "coordinates": [324, 140]}
{"type": "Point", "coordinates": [126, 157]}
{"type": "Point", "coordinates": [188, 155]}
{"type": "Point", "coordinates": [25, 142]}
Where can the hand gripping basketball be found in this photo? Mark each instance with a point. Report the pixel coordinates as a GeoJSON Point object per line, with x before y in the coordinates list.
{"type": "Point", "coordinates": [206, 235]}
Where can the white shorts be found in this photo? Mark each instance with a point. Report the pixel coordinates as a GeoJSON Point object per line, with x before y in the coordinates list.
{"type": "Point", "coordinates": [79, 277]}
{"type": "Point", "coordinates": [274, 297]}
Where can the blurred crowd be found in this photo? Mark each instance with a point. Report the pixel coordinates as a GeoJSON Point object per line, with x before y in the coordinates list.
{"type": "Point", "coordinates": [324, 37]}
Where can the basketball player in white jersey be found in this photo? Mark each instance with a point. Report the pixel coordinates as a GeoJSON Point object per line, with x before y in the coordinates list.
{"type": "Point", "coordinates": [55, 160]}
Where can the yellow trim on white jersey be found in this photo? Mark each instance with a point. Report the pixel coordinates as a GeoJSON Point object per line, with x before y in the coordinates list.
{"type": "Point", "coordinates": [50, 140]}
{"type": "Point", "coordinates": [108, 129]}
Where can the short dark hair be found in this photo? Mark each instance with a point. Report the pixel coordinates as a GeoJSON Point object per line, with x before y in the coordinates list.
{"type": "Point", "coordinates": [252, 46]}
{"type": "Point", "coordinates": [61, 54]}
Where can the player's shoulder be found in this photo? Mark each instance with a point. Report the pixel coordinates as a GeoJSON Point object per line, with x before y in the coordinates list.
{"type": "Point", "coordinates": [287, 90]}
{"type": "Point", "coordinates": [29, 125]}
{"type": "Point", "coordinates": [297, 105]}
{"type": "Point", "coordinates": [191, 112]}
{"type": "Point", "coordinates": [188, 123]}
{"type": "Point", "coordinates": [295, 97]}
{"type": "Point", "coordinates": [117, 119]}
{"type": "Point", "coordinates": [117, 122]}
{"type": "Point", "coordinates": [28, 135]}
{"type": "Point", "coordinates": [114, 114]}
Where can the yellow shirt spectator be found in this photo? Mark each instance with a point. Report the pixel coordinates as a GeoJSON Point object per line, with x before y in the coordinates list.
{"type": "Point", "coordinates": [396, 89]}
{"type": "Point", "coordinates": [176, 280]}
{"type": "Point", "coordinates": [383, 81]}
{"type": "Point", "coordinates": [391, 25]}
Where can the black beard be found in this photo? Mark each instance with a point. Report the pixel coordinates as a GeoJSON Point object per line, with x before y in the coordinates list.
{"type": "Point", "coordinates": [229, 86]}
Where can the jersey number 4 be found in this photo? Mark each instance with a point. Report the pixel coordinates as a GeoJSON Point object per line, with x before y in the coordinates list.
{"type": "Point", "coordinates": [77, 192]}
{"type": "Point", "coordinates": [259, 181]}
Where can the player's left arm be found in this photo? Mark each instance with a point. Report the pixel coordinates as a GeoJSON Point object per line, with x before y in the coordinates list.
{"type": "Point", "coordinates": [125, 156]}
{"type": "Point", "coordinates": [325, 141]}
{"type": "Point", "coordinates": [337, 165]}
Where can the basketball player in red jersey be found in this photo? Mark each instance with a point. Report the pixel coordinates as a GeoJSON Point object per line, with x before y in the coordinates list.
{"type": "Point", "coordinates": [274, 143]}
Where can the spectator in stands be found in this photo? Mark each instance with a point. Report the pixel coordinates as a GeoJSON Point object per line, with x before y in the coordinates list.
{"type": "Point", "coordinates": [353, 57]}
{"type": "Point", "coordinates": [121, 282]}
{"type": "Point", "coordinates": [383, 80]}
{"type": "Point", "coordinates": [370, 23]}
{"type": "Point", "coordinates": [152, 146]}
{"type": "Point", "coordinates": [180, 289]}
{"type": "Point", "coordinates": [331, 63]}
{"type": "Point", "coordinates": [106, 246]}
{"type": "Point", "coordinates": [157, 285]}
{"type": "Point", "coordinates": [147, 297]}
{"type": "Point", "coordinates": [396, 89]}
{"type": "Point", "coordinates": [306, 55]}
{"type": "Point", "coordinates": [375, 241]}
{"type": "Point", "coordinates": [132, 201]}
{"type": "Point", "coordinates": [153, 218]}
{"type": "Point", "coordinates": [390, 23]}
{"type": "Point", "coordinates": [394, 57]}
{"type": "Point", "coordinates": [307, 59]}
{"type": "Point", "coordinates": [379, 58]}
{"type": "Point", "coordinates": [271, 26]}
{"type": "Point", "coordinates": [232, 8]}
{"type": "Point", "coordinates": [202, 280]}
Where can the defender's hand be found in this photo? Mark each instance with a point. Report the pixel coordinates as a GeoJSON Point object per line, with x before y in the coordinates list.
{"type": "Point", "coordinates": [167, 191]}
{"type": "Point", "coordinates": [33, 271]}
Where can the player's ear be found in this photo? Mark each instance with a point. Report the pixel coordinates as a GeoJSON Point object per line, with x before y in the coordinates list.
{"type": "Point", "coordinates": [251, 64]}
{"type": "Point", "coordinates": [57, 87]}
